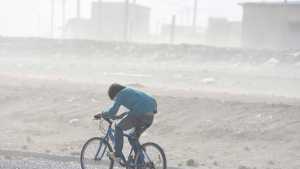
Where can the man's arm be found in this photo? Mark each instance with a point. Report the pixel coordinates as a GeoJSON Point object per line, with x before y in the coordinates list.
{"type": "Point", "coordinates": [112, 110]}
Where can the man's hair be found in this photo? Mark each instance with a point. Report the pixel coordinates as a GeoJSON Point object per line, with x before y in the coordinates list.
{"type": "Point", "coordinates": [114, 89]}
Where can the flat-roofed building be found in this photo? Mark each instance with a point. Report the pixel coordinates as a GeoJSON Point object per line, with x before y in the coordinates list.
{"type": "Point", "coordinates": [113, 21]}
{"type": "Point", "coordinates": [222, 32]}
{"type": "Point", "coordinates": [272, 25]}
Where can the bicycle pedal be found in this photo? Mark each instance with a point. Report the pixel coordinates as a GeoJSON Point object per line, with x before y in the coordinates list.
{"type": "Point", "coordinates": [111, 155]}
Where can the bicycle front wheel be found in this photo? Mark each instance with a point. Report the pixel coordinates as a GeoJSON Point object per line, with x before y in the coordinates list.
{"type": "Point", "coordinates": [94, 154]}
{"type": "Point", "coordinates": [152, 156]}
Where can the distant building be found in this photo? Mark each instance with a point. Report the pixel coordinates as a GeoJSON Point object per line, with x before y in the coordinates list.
{"type": "Point", "coordinates": [222, 32]}
{"type": "Point", "coordinates": [112, 21]}
{"type": "Point", "coordinates": [274, 25]}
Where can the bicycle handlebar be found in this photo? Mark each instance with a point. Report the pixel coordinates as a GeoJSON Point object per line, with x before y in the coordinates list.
{"type": "Point", "coordinates": [109, 120]}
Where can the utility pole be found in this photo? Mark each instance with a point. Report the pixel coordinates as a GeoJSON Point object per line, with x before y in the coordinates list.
{"type": "Point", "coordinates": [63, 13]}
{"type": "Point", "coordinates": [285, 25]}
{"type": "Point", "coordinates": [99, 21]}
{"type": "Point", "coordinates": [52, 19]}
{"type": "Point", "coordinates": [38, 25]}
{"type": "Point", "coordinates": [172, 29]}
{"type": "Point", "coordinates": [126, 21]}
{"type": "Point", "coordinates": [78, 8]}
{"type": "Point", "coordinates": [63, 22]}
{"type": "Point", "coordinates": [195, 15]}
{"type": "Point", "coordinates": [132, 21]}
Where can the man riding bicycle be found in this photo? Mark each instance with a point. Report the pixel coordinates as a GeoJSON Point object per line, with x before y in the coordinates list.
{"type": "Point", "coordinates": [142, 108]}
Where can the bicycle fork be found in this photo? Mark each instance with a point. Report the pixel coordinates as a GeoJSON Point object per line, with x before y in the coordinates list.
{"type": "Point", "coordinates": [99, 149]}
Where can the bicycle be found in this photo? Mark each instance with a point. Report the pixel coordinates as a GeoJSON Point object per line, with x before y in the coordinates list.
{"type": "Point", "coordinates": [102, 146]}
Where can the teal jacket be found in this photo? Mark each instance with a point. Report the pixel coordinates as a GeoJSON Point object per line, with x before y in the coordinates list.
{"type": "Point", "coordinates": [137, 102]}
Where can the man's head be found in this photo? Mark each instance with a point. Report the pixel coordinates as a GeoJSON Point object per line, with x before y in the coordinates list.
{"type": "Point", "coordinates": [114, 89]}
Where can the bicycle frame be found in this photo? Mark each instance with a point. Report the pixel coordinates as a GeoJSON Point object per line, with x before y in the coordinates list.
{"type": "Point", "coordinates": [110, 135]}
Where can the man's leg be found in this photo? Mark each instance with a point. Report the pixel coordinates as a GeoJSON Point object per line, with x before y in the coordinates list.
{"type": "Point", "coordinates": [124, 124]}
{"type": "Point", "coordinates": [141, 124]}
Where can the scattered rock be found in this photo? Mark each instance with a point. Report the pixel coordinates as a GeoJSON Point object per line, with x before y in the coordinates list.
{"type": "Point", "coordinates": [179, 165]}
{"type": "Point", "coordinates": [215, 163]}
{"type": "Point", "coordinates": [47, 151]}
{"type": "Point", "coordinates": [271, 162]}
{"type": "Point", "coordinates": [28, 139]}
{"type": "Point", "coordinates": [243, 167]}
{"type": "Point", "coordinates": [296, 54]}
{"type": "Point", "coordinates": [202, 164]}
{"type": "Point", "coordinates": [258, 116]}
{"type": "Point", "coordinates": [208, 80]}
{"type": "Point", "coordinates": [211, 157]}
{"type": "Point", "coordinates": [71, 99]}
{"type": "Point", "coordinates": [94, 100]}
{"type": "Point", "coordinates": [191, 163]}
{"type": "Point", "coordinates": [272, 61]}
{"type": "Point", "coordinates": [246, 148]}
{"type": "Point", "coordinates": [73, 121]}
{"type": "Point", "coordinates": [24, 147]}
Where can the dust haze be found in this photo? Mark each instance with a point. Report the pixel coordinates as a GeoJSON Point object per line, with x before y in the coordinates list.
{"type": "Point", "coordinates": [228, 87]}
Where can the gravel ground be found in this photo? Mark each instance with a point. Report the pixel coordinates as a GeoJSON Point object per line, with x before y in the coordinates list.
{"type": "Point", "coordinates": [33, 163]}
{"type": "Point", "coordinates": [28, 160]}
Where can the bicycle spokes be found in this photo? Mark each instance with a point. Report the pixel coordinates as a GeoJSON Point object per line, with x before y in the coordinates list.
{"type": "Point", "coordinates": [93, 154]}
{"type": "Point", "coordinates": [101, 150]}
{"type": "Point", "coordinates": [152, 157]}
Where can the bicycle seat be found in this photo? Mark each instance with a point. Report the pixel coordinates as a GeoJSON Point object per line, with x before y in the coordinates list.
{"type": "Point", "coordinates": [130, 132]}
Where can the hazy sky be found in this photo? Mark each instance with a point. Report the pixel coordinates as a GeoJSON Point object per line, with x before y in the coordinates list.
{"type": "Point", "coordinates": [32, 17]}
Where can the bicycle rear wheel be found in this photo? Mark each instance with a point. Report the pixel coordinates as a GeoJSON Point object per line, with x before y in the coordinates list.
{"type": "Point", "coordinates": [151, 157]}
{"type": "Point", "coordinates": [94, 154]}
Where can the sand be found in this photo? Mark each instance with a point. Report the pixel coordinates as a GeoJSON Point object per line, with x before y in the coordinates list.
{"type": "Point", "coordinates": [229, 114]}
{"type": "Point", "coordinates": [216, 131]}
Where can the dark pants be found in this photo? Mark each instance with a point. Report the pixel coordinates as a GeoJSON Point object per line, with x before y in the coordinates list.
{"type": "Point", "coordinates": [140, 123]}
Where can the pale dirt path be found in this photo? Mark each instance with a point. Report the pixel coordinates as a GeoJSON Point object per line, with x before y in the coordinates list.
{"type": "Point", "coordinates": [29, 160]}
{"type": "Point", "coordinates": [217, 131]}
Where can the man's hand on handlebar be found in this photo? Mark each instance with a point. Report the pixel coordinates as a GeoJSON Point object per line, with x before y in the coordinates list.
{"type": "Point", "coordinates": [98, 116]}
{"type": "Point", "coordinates": [101, 115]}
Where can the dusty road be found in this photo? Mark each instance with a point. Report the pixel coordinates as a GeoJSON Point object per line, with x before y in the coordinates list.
{"type": "Point", "coordinates": [216, 131]}
{"type": "Point", "coordinates": [30, 160]}
{"type": "Point", "coordinates": [22, 160]}
{"type": "Point", "coordinates": [232, 115]}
